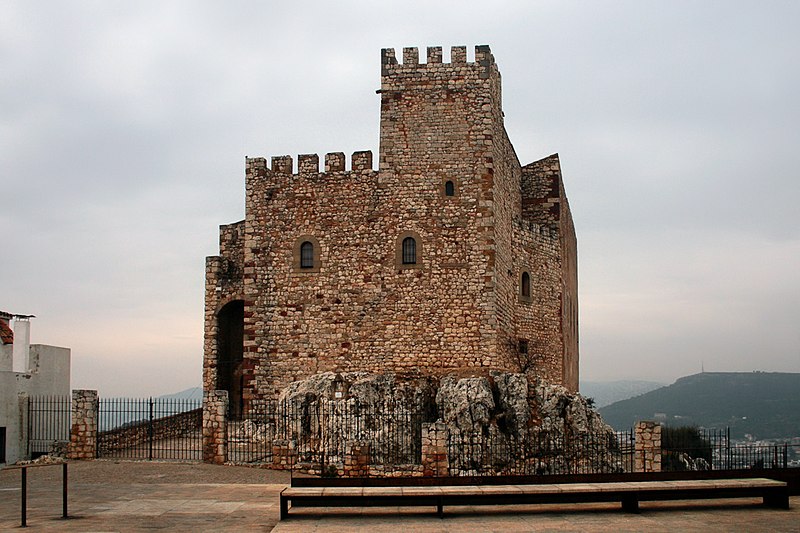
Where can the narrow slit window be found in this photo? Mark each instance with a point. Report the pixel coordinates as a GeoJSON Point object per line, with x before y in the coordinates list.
{"type": "Point", "coordinates": [523, 346]}
{"type": "Point", "coordinates": [307, 255]}
{"type": "Point", "coordinates": [525, 289]}
{"type": "Point", "coordinates": [409, 251]}
{"type": "Point", "coordinates": [449, 188]}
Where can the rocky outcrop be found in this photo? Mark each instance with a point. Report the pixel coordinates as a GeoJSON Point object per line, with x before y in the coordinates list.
{"type": "Point", "coordinates": [503, 423]}
{"type": "Point", "coordinates": [497, 423]}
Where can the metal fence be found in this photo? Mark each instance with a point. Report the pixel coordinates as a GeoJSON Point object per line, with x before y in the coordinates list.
{"type": "Point", "coordinates": [319, 431]}
{"type": "Point", "coordinates": [48, 425]}
{"type": "Point", "coordinates": [539, 453]}
{"type": "Point", "coordinates": [316, 433]}
{"type": "Point", "coordinates": [150, 428]}
{"type": "Point", "coordinates": [688, 448]}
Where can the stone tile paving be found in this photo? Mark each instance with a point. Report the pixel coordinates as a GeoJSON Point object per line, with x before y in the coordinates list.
{"type": "Point", "coordinates": [721, 515]}
{"type": "Point", "coordinates": [133, 496]}
{"type": "Point", "coordinates": [142, 496]}
{"type": "Point", "coordinates": [739, 514]}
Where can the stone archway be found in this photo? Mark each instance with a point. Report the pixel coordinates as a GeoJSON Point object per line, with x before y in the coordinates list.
{"type": "Point", "coordinates": [230, 353]}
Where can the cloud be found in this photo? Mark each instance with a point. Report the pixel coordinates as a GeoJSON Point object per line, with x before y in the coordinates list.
{"type": "Point", "coordinates": [124, 128]}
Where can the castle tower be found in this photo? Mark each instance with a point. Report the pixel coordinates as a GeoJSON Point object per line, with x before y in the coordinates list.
{"type": "Point", "coordinates": [451, 258]}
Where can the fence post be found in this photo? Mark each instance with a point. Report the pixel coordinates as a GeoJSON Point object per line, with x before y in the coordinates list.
{"type": "Point", "coordinates": [728, 447]}
{"type": "Point", "coordinates": [435, 461]}
{"type": "Point", "coordinates": [215, 426]}
{"type": "Point", "coordinates": [25, 429]}
{"type": "Point", "coordinates": [647, 447]}
{"type": "Point", "coordinates": [83, 433]}
{"type": "Point", "coordinates": [150, 430]}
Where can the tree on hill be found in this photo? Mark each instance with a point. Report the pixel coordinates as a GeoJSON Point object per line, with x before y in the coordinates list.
{"type": "Point", "coordinates": [684, 448]}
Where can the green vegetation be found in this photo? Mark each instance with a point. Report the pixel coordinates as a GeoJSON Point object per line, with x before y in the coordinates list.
{"type": "Point", "coordinates": [688, 440]}
{"type": "Point", "coordinates": [763, 404]}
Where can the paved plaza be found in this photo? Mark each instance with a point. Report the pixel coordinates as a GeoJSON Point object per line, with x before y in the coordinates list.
{"type": "Point", "coordinates": [141, 496]}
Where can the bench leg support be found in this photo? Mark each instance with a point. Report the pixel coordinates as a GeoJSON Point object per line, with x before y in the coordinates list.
{"type": "Point", "coordinates": [777, 500]}
{"type": "Point", "coordinates": [284, 508]}
{"type": "Point", "coordinates": [439, 509]}
{"type": "Point", "coordinates": [630, 503]}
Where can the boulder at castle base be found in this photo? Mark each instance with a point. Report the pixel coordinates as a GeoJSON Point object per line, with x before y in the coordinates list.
{"type": "Point", "coordinates": [498, 423]}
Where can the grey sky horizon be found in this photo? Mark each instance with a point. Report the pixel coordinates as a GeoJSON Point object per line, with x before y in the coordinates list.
{"type": "Point", "coordinates": [124, 127]}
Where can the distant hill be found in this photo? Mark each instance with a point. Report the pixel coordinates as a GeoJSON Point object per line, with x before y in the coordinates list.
{"type": "Point", "coordinates": [193, 393]}
{"type": "Point", "coordinates": [608, 392]}
{"type": "Point", "coordinates": [763, 404]}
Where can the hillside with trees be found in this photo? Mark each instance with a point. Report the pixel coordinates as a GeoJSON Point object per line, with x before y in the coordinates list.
{"type": "Point", "coordinates": [765, 405]}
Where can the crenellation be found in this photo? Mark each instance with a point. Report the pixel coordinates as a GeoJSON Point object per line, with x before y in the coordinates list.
{"type": "Point", "coordinates": [458, 55]}
{"type": "Point", "coordinates": [411, 56]}
{"type": "Point", "coordinates": [334, 162]}
{"type": "Point", "coordinates": [362, 160]}
{"type": "Point", "coordinates": [434, 55]}
{"type": "Point", "coordinates": [458, 60]}
{"type": "Point", "coordinates": [308, 164]}
{"type": "Point", "coordinates": [256, 163]}
{"type": "Point", "coordinates": [282, 164]}
{"type": "Point", "coordinates": [388, 60]}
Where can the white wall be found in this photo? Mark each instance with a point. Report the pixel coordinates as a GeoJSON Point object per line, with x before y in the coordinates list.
{"type": "Point", "coordinates": [22, 343]}
{"type": "Point", "coordinates": [6, 357]}
{"type": "Point", "coordinates": [48, 375]}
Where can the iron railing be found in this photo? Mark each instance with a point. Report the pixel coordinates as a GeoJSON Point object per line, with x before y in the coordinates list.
{"type": "Point", "coordinates": [48, 425]}
{"type": "Point", "coordinates": [319, 432]}
{"type": "Point", "coordinates": [316, 434]}
{"type": "Point", "coordinates": [690, 448]}
{"type": "Point", "coordinates": [539, 453]}
{"type": "Point", "coordinates": [150, 428]}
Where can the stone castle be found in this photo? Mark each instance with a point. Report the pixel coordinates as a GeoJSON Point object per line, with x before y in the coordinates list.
{"type": "Point", "coordinates": [451, 258]}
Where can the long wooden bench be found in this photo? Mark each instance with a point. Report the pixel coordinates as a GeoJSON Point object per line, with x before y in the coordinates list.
{"type": "Point", "coordinates": [629, 494]}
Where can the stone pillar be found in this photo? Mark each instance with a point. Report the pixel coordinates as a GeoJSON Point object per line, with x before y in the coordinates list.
{"type": "Point", "coordinates": [434, 450]}
{"type": "Point", "coordinates": [647, 447]}
{"type": "Point", "coordinates": [83, 433]}
{"type": "Point", "coordinates": [356, 459]}
{"type": "Point", "coordinates": [284, 454]}
{"type": "Point", "coordinates": [215, 426]}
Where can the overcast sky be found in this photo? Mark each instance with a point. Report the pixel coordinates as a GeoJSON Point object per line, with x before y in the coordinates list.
{"type": "Point", "coordinates": [124, 127]}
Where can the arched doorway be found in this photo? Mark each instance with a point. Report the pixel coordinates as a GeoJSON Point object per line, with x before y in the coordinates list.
{"type": "Point", "coordinates": [230, 352]}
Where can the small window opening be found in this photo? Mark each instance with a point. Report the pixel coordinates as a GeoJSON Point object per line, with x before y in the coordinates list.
{"type": "Point", "coordinates": [449, 188]}
{"type": "Point", "coordinates": [409, 251]}
{"type": "Point", "coordinates": [525, 290]}
{"type": "Point", "coordinates": [307, 255]}
{"type": "Point", "coordinates": [523, 346]}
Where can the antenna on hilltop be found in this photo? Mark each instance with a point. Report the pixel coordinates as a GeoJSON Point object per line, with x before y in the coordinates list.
{"type": "Point", "coordinates": [702, 368]}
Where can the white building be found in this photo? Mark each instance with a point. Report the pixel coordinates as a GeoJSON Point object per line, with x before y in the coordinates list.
{"type": "Point", "coordinates": [26, 370]}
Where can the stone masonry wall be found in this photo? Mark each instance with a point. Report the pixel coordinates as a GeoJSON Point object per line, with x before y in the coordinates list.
{"type": "Point", "coordinates": [215, 427]}
{"type": "Point", "coordinates": [359, 308]}
{"type": "Point", "coordinates": [537, 319]}
{"type": "Point", "coordinates": [83, 433]}
{"type": "Point", "coordinates": [165, 427]}
{"type": "Point", "coordinates": [434, 450]}
{"type": "Point", "coordinates": [224, 283]}
{"type": "Point", "coordinates": [545, 209]}
{"type": "Point", "coordinates": [647, 447]}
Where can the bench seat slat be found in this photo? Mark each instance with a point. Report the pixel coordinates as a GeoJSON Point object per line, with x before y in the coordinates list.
{"type": "Point", "coordinates": [775, 493]}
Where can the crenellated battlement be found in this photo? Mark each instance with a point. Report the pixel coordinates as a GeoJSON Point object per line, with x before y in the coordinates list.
{"type": "Point", "coordinates": [458, 57]}
{"type": "Point", "coordinates": [308, 164]}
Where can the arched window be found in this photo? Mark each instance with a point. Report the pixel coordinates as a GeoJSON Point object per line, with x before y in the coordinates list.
{"type": "Point", "coordinates": [409, 251]}
{"type": "Point", "coordinates": [449, 188]}
{"type": "Point", "coordinates": [307, 255]}
{"type": "Point", "coordinates": [525, 285]}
